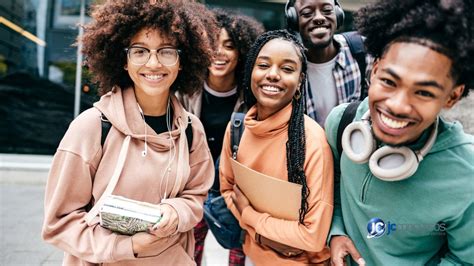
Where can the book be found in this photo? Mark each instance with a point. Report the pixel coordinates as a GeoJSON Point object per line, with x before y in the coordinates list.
{"type": "Point", "coordinates": [127, 216]}
{"type": "Point", "coordinates": [267, 194]}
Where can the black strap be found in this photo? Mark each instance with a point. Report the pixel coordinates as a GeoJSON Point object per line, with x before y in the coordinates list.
{"type": "Point", "coordinates": [346, 119]}
{"type": "Point", "coordinates": [106, 125]}
{"type": "Point", "coordinates": [189, 133]}
{"type": "Point", "coordinates": [357, 47]}
{"type": "Point", "coordinates": [236, 131]}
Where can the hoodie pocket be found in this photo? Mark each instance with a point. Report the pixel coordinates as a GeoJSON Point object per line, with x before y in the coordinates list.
{"type": "Point", "coordinates": [174, 255]}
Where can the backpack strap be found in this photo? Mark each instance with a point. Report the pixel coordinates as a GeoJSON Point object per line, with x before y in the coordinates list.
{"type": "Point", "coordinates": [236, 131]}
{"type": "Point", "coordinates": [189, 134]}
{"type": "Point", "coordinates": [357, 47]}
{"type": "Point", "coordinates": [106, 125]}
{"type": "Point", "coordinates": [346, 119]}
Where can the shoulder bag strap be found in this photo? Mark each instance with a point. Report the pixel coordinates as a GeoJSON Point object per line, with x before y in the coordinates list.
{"type": "Point", "coordinates": [112, 183]}
{"type": "Point", "coordinates": [346, 119]}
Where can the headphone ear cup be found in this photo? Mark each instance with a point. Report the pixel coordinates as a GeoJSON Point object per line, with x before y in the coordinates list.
{"type": "Point", "coordinates": [291, 17]}
{"type": "Point", "coordinates": [339, 15]}
{"type": "Point", "coordinates": [393, 164]}
{"type": "Point", "coordinates": [357, 142]}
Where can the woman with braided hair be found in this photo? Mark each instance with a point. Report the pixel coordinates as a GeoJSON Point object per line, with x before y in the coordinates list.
{"type": "Point", "coordinates": [282, 142]}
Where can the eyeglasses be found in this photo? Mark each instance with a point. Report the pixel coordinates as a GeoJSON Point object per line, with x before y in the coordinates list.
{"type": "Point", "coordinates": [167, 56]}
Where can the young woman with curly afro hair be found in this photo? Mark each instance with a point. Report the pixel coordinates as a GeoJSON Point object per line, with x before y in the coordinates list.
{"type": "Point", "coordinates": [140, 53]}
{"type": "Point", "coordinates": [405, 194]}
{"type": "Point", "coordinates": [221, 94]}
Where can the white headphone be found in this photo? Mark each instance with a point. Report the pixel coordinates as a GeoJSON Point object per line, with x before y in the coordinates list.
{"type": "Point", "coordinates": [387, 163]}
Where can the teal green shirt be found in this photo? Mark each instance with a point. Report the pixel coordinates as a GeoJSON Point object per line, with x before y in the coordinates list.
{"type": "Point", "coordinates": [429, 217]}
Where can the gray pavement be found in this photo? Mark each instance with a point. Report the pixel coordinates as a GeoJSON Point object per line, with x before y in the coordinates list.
{"type": "Point", "coordinates": [22, 215]}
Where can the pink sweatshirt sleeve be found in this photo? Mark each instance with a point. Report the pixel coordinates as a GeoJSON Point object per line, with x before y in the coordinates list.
{"type": "Point", "coordinates": [311, 235]}
{"type": "Point", "coordinates": [68, 191]}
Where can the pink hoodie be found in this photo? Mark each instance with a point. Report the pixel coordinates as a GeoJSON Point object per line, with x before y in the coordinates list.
{"type": "Point", "coordinates": [81, 170]}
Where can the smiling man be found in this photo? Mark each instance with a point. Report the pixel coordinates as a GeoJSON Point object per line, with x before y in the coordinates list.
{"type": "Point", "coordinates": [405, 194]}
{"type": "Point", "coordinates": [333, 72]}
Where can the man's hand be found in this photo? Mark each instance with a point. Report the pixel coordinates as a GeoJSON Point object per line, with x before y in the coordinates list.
{"type": "Point", "coordinates": [239, 200]}
{"type": "Point", "coordinates": [341, 246]}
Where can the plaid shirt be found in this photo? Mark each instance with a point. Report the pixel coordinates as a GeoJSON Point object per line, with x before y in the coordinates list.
{"type": "Point", "coordinates": [346, 76]}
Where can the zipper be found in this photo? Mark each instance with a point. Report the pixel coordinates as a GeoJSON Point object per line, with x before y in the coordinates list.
{"type": "Point", "coordinates": [365, 186]}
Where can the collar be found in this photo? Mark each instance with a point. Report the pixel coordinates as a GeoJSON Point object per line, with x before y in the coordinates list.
{"type": "Point", "coordinates": [344, 54]}
{"type": "Point", "coordinates": [218, 93]}
{"type": "Point", "coordinates": [273, 125]}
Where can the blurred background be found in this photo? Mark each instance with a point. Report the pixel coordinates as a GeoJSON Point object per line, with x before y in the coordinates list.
{"type": "Point", "coordinates": [42, 85]}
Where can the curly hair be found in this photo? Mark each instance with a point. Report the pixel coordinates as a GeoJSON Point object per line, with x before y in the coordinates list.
{"type": "Point", "coordinates": [243, 30]}
{"type": "Point", "coordinates": [296, 145]}
{"type": "Point", "coordinates": [445, 26]}
{"type": "Point", "coordinates": [115, 23]}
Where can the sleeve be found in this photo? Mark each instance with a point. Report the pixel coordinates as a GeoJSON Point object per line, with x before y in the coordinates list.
{"type": "Point", "coordinates": [68, 192]}
{"type": "Point", "coordinates": [460, 235]}
{"type": "Point", "coordinates": [226, 175]}
{"type": "Point", "coordinates": [227, 181]}
{"type": "Point", "coordinates": [189, 203]}
{"type": "Point", "coordinates": [312, 234]}
{"type": "Point", "coordinates": [332, 124]}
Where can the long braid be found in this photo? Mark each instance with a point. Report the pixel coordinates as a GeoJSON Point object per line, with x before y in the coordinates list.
{"type": "Point", "coordinates": [296, 145]}
{"type": "Point", "coordinates": [295, 152]}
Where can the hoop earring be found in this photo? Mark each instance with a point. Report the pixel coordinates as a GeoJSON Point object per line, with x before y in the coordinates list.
{"type": "Point", "coordinates": [297, 95]}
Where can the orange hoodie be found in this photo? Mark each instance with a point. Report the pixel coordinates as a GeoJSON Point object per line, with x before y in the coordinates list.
{"type": "Point", "coordinates": [263, 148]}
{"type": "Point", "coordinates": [81, 170]}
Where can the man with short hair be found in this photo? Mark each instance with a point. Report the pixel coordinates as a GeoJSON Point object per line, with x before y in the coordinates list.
{"type": "Point", "coordinates": [405, 195]}
{"type": "Point", "coordinates": [334, 74]}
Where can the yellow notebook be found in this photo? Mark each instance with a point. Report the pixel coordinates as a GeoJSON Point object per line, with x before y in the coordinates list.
{"type": "Point", "coordinates": [279, 198]}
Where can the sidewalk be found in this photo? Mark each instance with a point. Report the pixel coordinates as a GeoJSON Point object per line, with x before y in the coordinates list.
{"type": "Point", "coordinates": [22, 179]}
